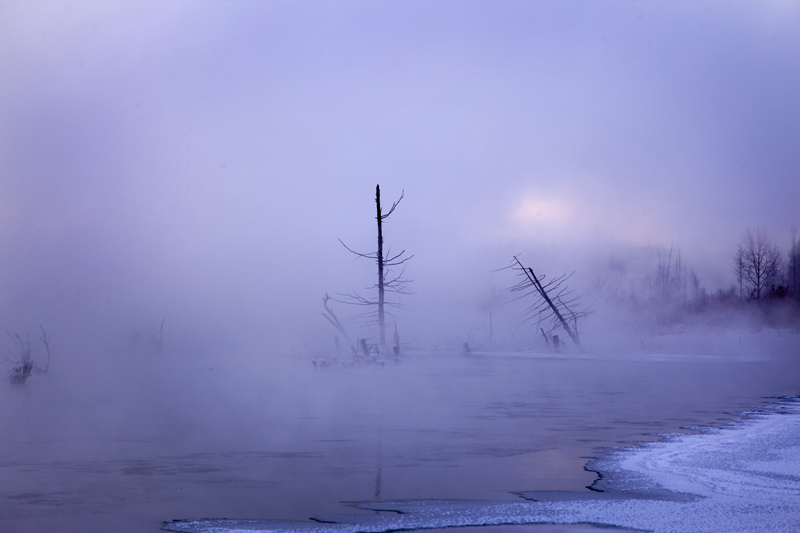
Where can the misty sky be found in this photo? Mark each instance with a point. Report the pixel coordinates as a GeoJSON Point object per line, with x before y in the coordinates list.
{"type": "Point", "coordinates": [199, 160]}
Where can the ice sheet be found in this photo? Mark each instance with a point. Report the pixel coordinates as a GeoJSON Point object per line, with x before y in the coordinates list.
{"type": "Point", "coordinates": [745, 478]}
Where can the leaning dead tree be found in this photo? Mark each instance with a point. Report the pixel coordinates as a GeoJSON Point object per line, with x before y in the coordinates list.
{"type": "Point", "coordinates": [388, 280]}
{"type": "Point", "coordinates": [554, 301]}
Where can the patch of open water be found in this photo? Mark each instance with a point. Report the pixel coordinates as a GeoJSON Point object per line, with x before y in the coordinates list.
{"type": "Point", "coordinates": [154, 441]}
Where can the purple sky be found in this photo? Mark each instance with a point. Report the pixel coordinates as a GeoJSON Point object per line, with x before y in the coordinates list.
{"type": "Point", "coordinates": [199, 160]}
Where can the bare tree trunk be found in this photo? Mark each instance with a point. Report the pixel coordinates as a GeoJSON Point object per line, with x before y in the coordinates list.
{"type": "Point", "coordinates": [46, 342]}
{"type": "Point", "coordinates": [396, 282]}
{"type": "Point", "coordinates": [740, 269]}
{"type": "Point", "coordinates": [381, 298]}
{"type": "Point", "coordinates": [794, 252]}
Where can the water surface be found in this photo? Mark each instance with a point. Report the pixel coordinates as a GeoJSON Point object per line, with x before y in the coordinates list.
{"type": "Point", "coordinates": [136, 439]}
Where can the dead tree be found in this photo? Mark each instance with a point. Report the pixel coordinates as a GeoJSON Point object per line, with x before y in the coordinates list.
{"type": "Point", "coordinates": [20, 358]}
{"type": "Point", "coordinates": [670, 279]}
{"type": "Point", "coordinates": [762, 262]}
{"type": "Point", "coordinates": [46, 342]}
{"type": "Point", "coordinates": [331, 317]}
{"type": "Point", "coordinates": [387, 281]}
{"type": "Point", "coordinates": [738, 268]}
{"type": "Point", "coordinates": [157, 340]}
{"type": "Point", "coordinates": [794, 264]}
{"type": "Point", "coordinates": [553, 301]}
{"type": "Point", "coordinates": [396, 336]}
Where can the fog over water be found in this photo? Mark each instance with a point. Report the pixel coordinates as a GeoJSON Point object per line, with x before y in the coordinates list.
{"type": "Point", "coordinates": [198, 162]}
{"type": "Point", "coordinates": [193, 165]}
{"type": "Point", "coordinates": [136, 441]}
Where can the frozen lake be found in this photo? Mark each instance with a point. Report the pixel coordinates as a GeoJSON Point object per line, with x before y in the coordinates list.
{"type": "Point", "coordinates": [138, 439]}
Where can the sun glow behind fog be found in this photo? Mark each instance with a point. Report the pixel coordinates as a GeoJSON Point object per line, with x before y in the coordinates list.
{"type": "Point", "coordinates": [542, 210]}
{"type": "Point", "coordinates": [581, 215]}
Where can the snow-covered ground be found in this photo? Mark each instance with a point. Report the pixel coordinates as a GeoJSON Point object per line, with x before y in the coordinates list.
{"type": "Point", "coordinates": [745, 477]}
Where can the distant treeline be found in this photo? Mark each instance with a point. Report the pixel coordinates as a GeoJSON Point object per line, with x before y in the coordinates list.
{"type": "Point", "coordinates": [765, 287]}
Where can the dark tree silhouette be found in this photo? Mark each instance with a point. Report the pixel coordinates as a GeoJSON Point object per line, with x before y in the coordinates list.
{"type": "Point", "coordinates": [793, 265]}
{"type": "Point", "coordinates": [761, 262]}
{"type": "Point", "coordinates": [553, 301]}
{"type": "Point", "coordinates": [387, 281]}
{"type": "Point", "coordinates": [738, 268]}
